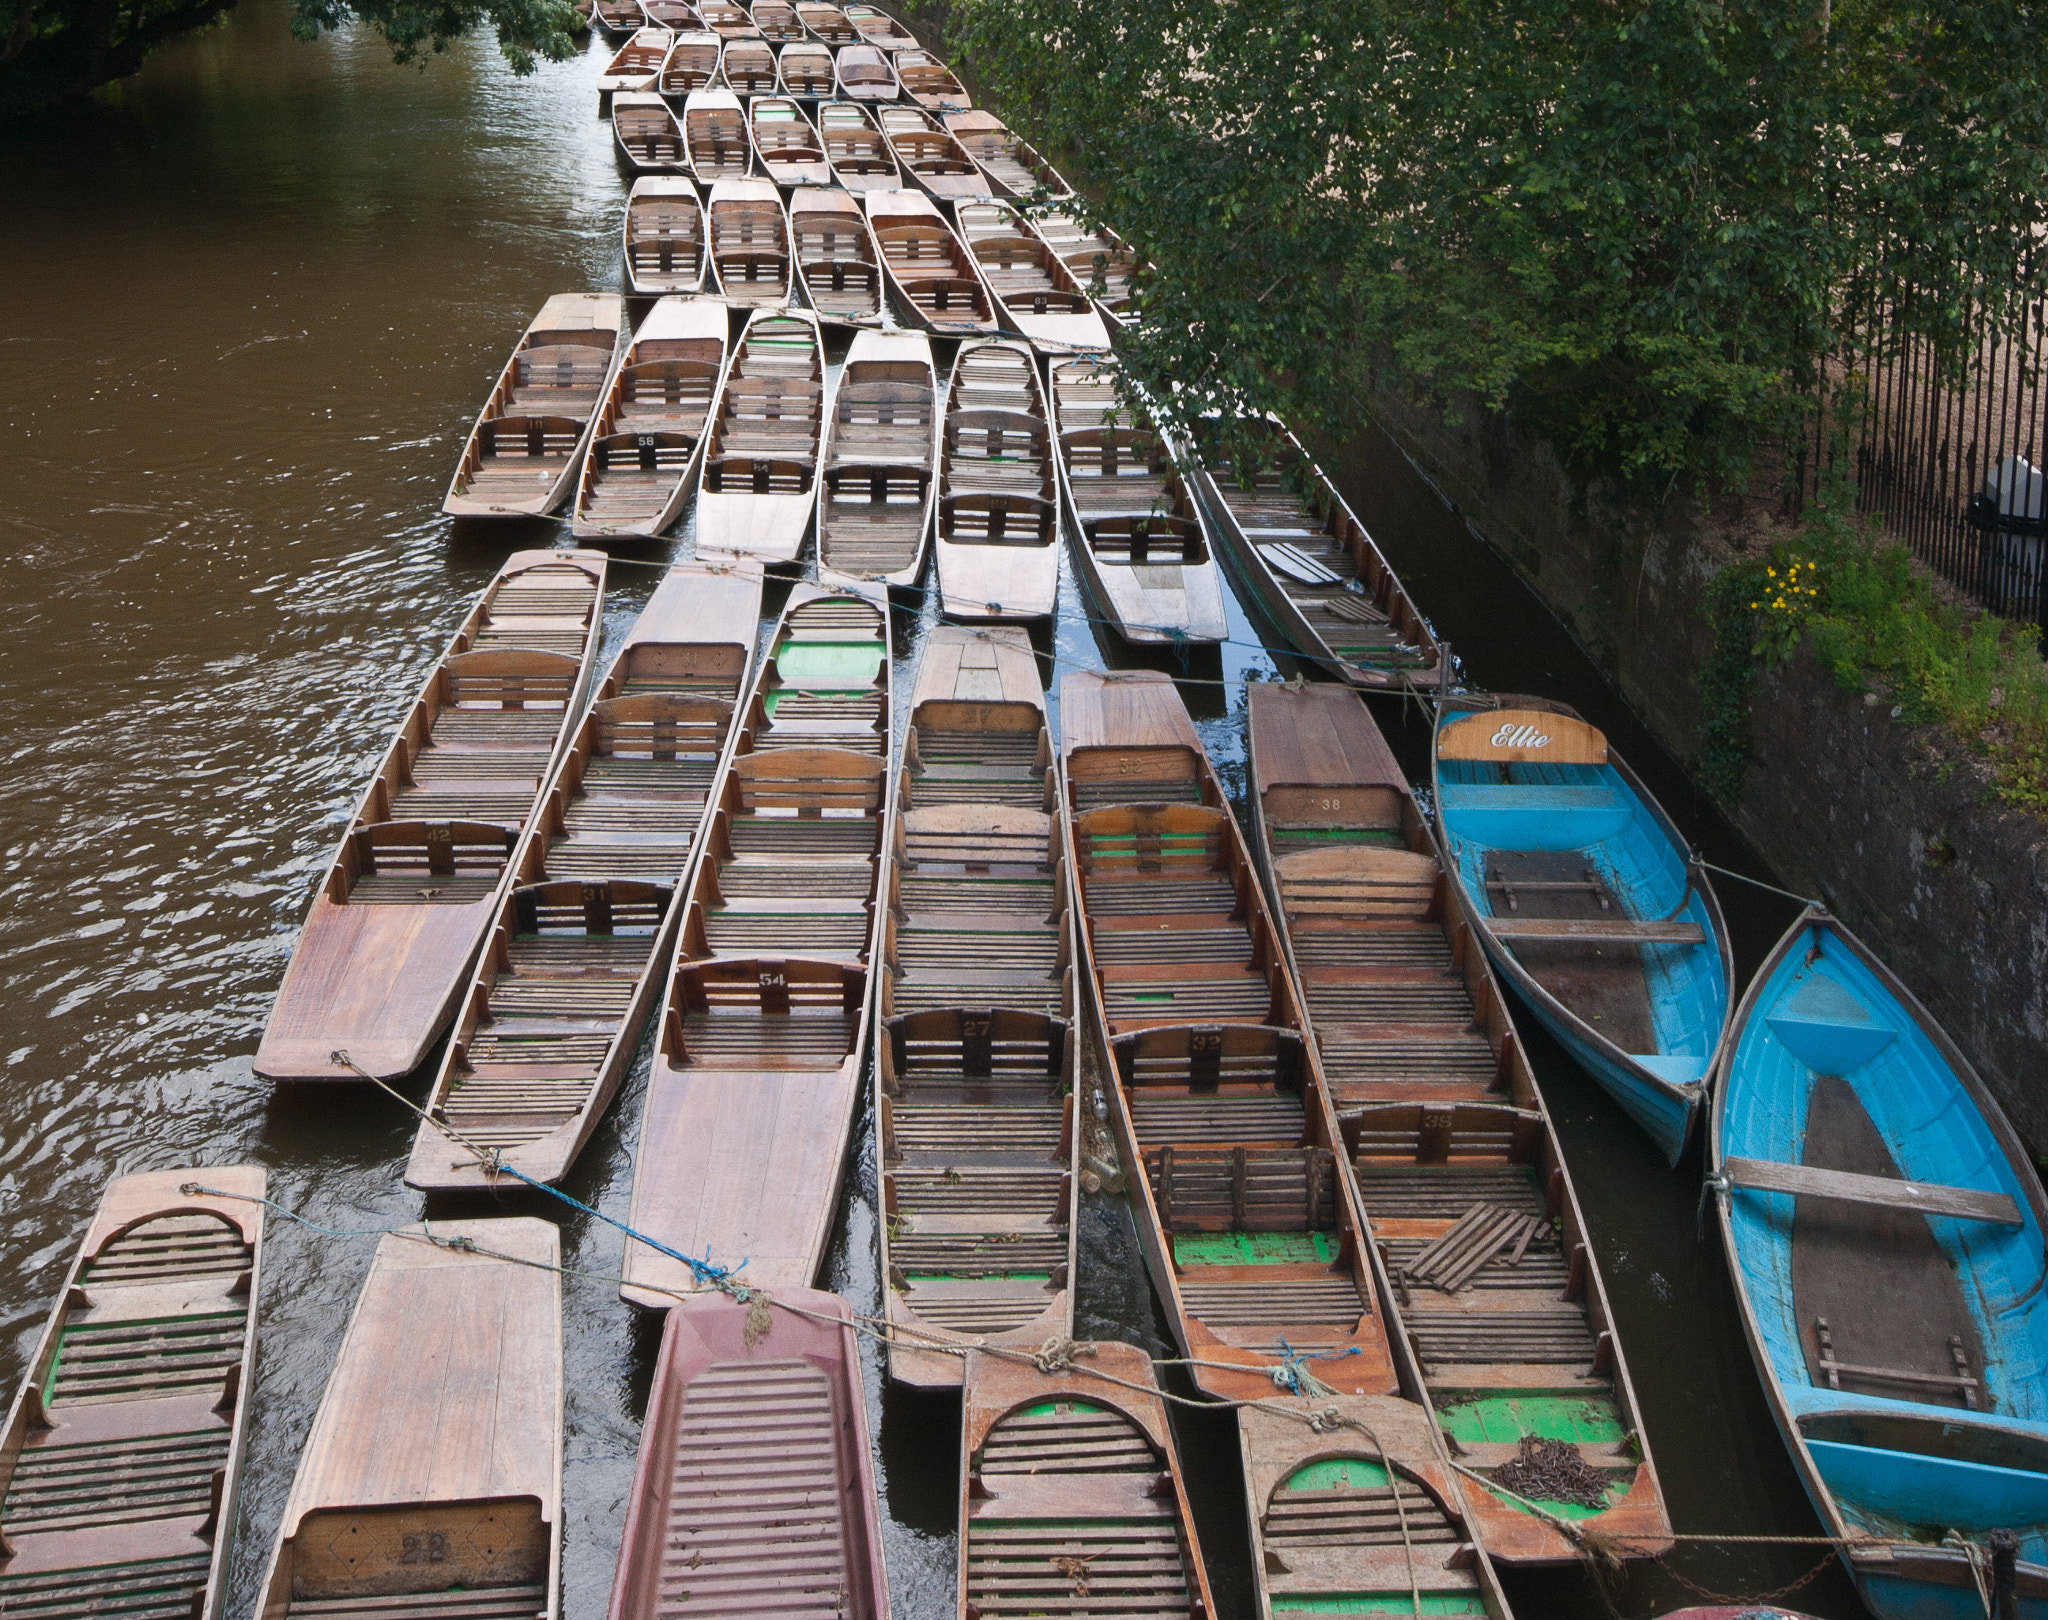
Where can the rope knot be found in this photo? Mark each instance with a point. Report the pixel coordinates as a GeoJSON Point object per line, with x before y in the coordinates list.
{"type": "Point", "coordinates": [1330, 1418]}
{"type": "Point", "coordinates": [1057, 1354]}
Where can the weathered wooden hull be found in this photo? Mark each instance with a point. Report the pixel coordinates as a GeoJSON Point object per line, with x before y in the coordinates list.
{"type": "Point", "coordinates": [386, 948]}
{"type": "Point", "coordinates": [755, 1489]}
{"type": "Point", "coordinates": [998, 521]}
{"type": "Point", "coordinates": [435, 1460]}
{"type": "Point", "coordinates": [123, 1449]}
{"type": "Point", "coordinates": [736, 517]}
{"type": "Point", "coordinates": [1604, 817]}
{"type": "Point", "coordinates": [1866, 1298]}
{"type": "Point", "coordinates": [882, 444]}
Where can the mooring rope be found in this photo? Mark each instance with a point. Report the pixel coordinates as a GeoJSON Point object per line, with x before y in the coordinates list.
{"type": "Point", "coordinates": [1744, 877]}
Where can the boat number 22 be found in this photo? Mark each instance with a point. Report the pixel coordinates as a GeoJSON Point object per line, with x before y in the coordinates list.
{"type": "Point", "coordinates": [1523, 736]}
{"type": "Point", "coordinates": [424, 1547]}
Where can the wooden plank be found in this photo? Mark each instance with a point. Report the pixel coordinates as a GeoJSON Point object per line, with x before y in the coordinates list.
{"type": "Point", "coordinates": [1595, 930]}
{"type": "Point", "coordinates": [1529, 736]}
{"type": "Point", "coordinates": [1928, 1198]}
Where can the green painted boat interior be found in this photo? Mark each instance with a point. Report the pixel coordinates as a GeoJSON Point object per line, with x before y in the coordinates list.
{"type": "Point", "coordinates": [1255, 1248]}
{"type": "Point", "coordinates": [1285, 838]}
{"type": "Point", "coordinates": [1336, 1474]}
{"type": "Point", "coordinates": [1378, 1603]}
{"type": "Point", "coordinates": [1504, 1419]}
{"type": "Point", "coordinates": [857, 663]}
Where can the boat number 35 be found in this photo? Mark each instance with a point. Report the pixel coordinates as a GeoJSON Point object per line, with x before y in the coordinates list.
{"type": "Point", "coordinates": [425, 1547]}
{"type": "Point", "coordinates": [1524, 736]}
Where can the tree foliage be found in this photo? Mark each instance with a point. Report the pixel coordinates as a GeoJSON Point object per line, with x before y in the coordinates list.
{"type": "Point", "coordinates": [1637, 226]}
{"type": "Point", "coordinates": [58, 50]}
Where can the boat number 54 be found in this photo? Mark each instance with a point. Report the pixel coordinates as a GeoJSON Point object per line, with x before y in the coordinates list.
{"type": "Point", "coordinates": [425, 1547]}
{"type": "Point", "coordinates": [1523, 736]}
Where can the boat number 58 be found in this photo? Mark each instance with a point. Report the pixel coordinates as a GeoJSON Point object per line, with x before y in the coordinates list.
{"type": "Point", "coordinates": [425, 1547]}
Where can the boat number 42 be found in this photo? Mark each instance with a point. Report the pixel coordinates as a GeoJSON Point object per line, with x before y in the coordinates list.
{"type": "Point", "coordinates": [1522, 736]}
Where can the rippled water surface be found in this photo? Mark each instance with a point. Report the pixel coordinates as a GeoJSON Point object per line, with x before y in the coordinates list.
{"type": "Point", "coordinates": [253, 298]}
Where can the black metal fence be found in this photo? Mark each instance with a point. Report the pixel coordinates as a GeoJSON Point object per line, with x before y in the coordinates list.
{"type": "Point", "coordinates": [1951, 457]}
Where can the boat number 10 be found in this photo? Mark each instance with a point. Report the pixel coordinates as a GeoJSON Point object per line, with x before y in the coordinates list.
{"type": "Point", "coordinates": [1523, 736]}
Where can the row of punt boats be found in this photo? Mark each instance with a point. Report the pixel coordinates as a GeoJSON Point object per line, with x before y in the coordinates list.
{"type": "Point", "coordinates": [693, 62]}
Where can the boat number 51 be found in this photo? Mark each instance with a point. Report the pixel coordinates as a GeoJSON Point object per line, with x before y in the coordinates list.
{"type": "Point", "coordinates": [1524, 736]}
{"type": "Point", "coordinates": [426, 1547]}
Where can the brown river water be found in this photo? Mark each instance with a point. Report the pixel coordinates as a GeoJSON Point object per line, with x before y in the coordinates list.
{"type": "Point", "coordinates": [253, 298]}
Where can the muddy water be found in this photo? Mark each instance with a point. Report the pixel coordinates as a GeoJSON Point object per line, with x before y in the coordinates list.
{"type": "Point", "coordinates": [252, 299]}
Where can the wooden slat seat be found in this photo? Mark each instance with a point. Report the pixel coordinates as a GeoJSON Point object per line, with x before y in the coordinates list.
{"type": "Point", "coordinates": [141, 1589]}
{"type": "Point", "coordinates": [1440, 1133]}
{"type": "Point", "coordinates": [1266, 1301]}
{"type": "Point", "coordinates": [1243, 1188]}
{"type": "Point", "coordinates": [1265, 1116]}
{"type": "Point", "coordinates": [455, 861]}
{"type": "Point", "coordinates": [1550, 1335]}
{"type": "Point", "coordinates": [1359, 1516]}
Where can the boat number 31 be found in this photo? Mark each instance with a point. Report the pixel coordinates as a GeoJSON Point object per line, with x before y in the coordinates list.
{"type": "Point", "coordinates": [1522, 736]}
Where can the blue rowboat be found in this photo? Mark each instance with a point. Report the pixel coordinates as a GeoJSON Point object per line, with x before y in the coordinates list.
{"type": "Point", "coordinates": [1588, 902]}
{"type": "Point", "coordinates": [1884, 1228]}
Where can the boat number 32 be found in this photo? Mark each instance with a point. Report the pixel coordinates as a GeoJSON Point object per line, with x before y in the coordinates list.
{"type": "Point", "coordinates": [1519, 736]}
{"type": "Point", "coordinates": [425, 1547]}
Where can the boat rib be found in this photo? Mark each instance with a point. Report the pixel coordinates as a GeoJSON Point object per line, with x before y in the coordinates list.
{"type": "Point", "coordinates": [650, 434]}
{"type": "Point", "coordinates": [1141, 545]}
{"type": "Point", "coordinates": [936, 284]}
{"type": "Point", "coordinates": [763, 1030]}
{"type": "Point", "coordinates": [665, 237]}
{"type": "Point", "coordinates": [875, 509]}
{"type": "Point", "coordinates": [974, 1068]}
{"type": "Point", "coordinates": [431, 1483]}
{"type": "Point", "coordinates": [1247, 1220]}
{"type": "Point", "coordinates": [1497, 1292]}
{"type": "Point", "coordinates": [838, 265]}
{"type": "Point", "coordinates": [759, 487]}
{"type": "Point", "coordinates": [520, 458]}
{"type": "Point", "coordinates": [123, 1452]}
{"type": "Point", "coordinates": [411, 892]}
{"type": "Point", "coordinates": [998, 517]}
{"type": "Point", "coordinates": [755, 1490]}
{"type": "Point", "coordinates": [1312, 569]}
{"type": "Point", "coordinates": [583, 939]}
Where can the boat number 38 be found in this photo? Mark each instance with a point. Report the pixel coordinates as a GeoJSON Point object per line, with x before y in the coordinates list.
{"type": "Point", "coordinates": [1519, 736]}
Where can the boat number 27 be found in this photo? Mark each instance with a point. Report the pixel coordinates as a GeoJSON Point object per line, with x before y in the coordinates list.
{"type": "Point", "coordinates": [1523, 736]}
{"type": "Point", "coordinates": [424, 1547]}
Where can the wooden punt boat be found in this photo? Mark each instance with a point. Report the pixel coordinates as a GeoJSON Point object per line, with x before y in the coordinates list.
{"type": "Point", "coordinates": [649, 138]}
{"type": "Point", "coordinates": [1035, 291]}
{"type": "Point", "coordinates": [1100, 259]}
{"type": "Point", "coordinates": [928, 155]}
{"type": "Point", "coordinates": [749, 67]}
{"type": "Point", "coordinates": [1501, 1315]}
{"type": "Point", "coordinates": [778, 21]}
{"type": "Point", "coordinates": [764, 1027]}
{"type": "Point", "coordinates": [750, 244]}
{"type": "Point", "coordinates": [619, 16]}
{"type": "Point", "coordinates": [729, 21]}
{"type": "Point", "coordinates": [1310, 567]}
{"type": "Point", "coordinates": [866, 74]}
{"type": "Point", "coordinates": [637, 66]}
{"type": "Point", "coordinates": [582, 23]}
{"type": "Point", "coordinates": [520, 458]}
{"type": "Point", "coordinates": [1071, 1498]}
{"type": "Point", "coordinates": [1013, 169]}
{"type": "Point", "coordinates": [386, 947]}
{"type": "Point", "coordinates": [929, 82]}
{"type": "Point", "coordinates": [691, 64]}
{"type": "Point", "coordinates": [644, 456]}
{"type": "Point", "coordinates": [755, 1489]}
{"type": "Point", "coordinates": [665, 237]}
{"type": "Point", "coordinates": [1141, 545]}
{"type": "Point", "coordinates": [838, 265]}
{"type": "Point", "coordinates": [998, 518]}
{"type": "Point", "coordinates": [1884, 1226]}
{"type": "Point", "coordinates": [877, 27]}
{"type": "Point", "coordinates": [786, 147]}
{"type": "Point", "coordinates": [974, 1063]}
{"type": "Point", "coordinates": [1589, 902]}
{"type": "Point", "coordinates": [860, 158]}
{"type": "Point", "coordinates": [676, 14]}
{"type": "Point", "coordinates": [805, 71]}
{"type": "Point", "coordinates": [826, 23]}
{"type": "Point", "coordinates": [1250, 1226]}
{"type": "Point", "coordinates": [875, 509]}
{"type": "Point", "coordinates": [715, 131]}
{"type": "Point", "coordinates": [434, 1468]}
{"type": "Point", "coordinates": [929, 267]}
{"type": "Point", "coordinates": [759, 489]}
{"type": "Point", "coordinates": [124, 1445]}
{"type": "Point", "coordinates": [584, 934]}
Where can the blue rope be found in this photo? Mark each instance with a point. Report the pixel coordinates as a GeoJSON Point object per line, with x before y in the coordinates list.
{"type": "Point", "coordinates": [1294, 1368]}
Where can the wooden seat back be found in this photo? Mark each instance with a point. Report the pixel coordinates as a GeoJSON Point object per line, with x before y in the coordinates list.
{"type": "Point", "coordinates": [442, 849]}
{"type": "Point", "coordinates": [996, 435]}
{"type": "Point", "coordinates": [1243, 1189]}
{"type": "Point", "coordinates": [1158, 537]}
{"type": "Point", "coordinates": [649, 452]}
{"type": "Point", "coordinates": [773, 987]}
{"type": "Point", "coordinates": [810, 781]}
{"type": "Point", "coordinates": [1359, 883]}
{"type": "Point", "coordinates": [528, 434]}
{"type": "Point", "coordinates": [673, 381]}
{"type": "Point", "coordinates": [563, 365]}
{"type": "Point", "coordinates": [591, 910]}
{"type": "Point", "coordinates": [509, 678]}
{"type": "Point", "coordinates": [416, 1549]}
{"type": "Point", "coordinates": [975, 836]}
{"type": "Point", "coordinates": [1123, 841]}
{"type": "Point", "coordinates": [1442, 1133]}
{"type": "Point", "coordinates": [994, 1044]}
{"type": "Point", "coordinates": [1201, 1057]}
{"type": "Point", "coordinates": [1289, 806]}
{"type": "Point", "coordinates": [996, 520]}
{"type": "Point", "coordinates": [659, 726]}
